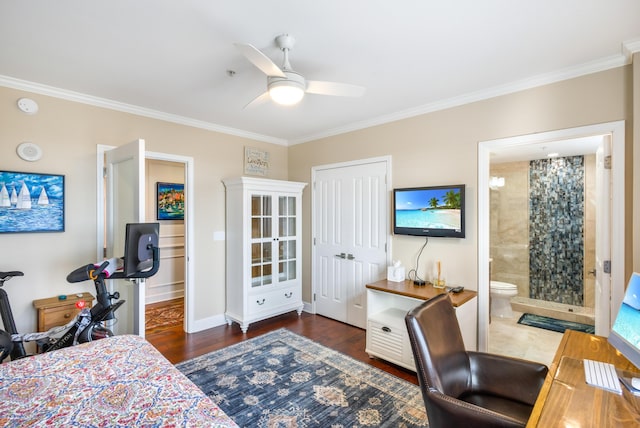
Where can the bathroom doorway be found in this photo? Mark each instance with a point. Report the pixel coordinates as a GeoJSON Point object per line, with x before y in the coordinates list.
{"type": "Point", "coordinates": [496, 157]}
{"type": "Point", "coordinates": [542, 230]}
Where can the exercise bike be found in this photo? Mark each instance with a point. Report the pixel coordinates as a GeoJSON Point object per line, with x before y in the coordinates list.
{"type": "Point", "coordinates": [88, 325]}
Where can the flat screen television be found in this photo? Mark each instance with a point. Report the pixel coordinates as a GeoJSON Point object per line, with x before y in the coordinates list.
{"type": "Point", "coordinates": [625, 334]}
{"type": "Point", "coordinates": [436, 211]}
{"type": "Point", "coordinates": [140, 238]}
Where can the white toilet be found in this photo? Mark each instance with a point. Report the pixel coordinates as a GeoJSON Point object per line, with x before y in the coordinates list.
{"type": "Point", "coordinates": [501, 294]}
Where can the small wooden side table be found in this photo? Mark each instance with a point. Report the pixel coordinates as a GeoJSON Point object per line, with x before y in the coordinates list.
{"type": "Point", "coordinates": [53, 312]}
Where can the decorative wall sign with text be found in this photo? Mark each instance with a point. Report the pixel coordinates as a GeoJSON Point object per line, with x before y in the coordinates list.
{"type": "Point", "coordinates": [256, 162]}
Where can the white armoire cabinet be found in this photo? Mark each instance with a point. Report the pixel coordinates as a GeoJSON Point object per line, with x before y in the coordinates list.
{"type": "Point", "coordinates": [263, 232]}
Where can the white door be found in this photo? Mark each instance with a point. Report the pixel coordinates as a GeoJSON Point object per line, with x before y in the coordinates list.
{"type": "Point", "coordinates": [124, 203]}
{"type": "Point", "coordinates": [603, 237]}
{"type": "Point", "coordinates": [350, 217]}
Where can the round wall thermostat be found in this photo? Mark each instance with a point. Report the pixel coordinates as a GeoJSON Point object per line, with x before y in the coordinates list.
{"type": "Point", "coordinates": [27, 105]}
{"type": "Point", "coordinates": [29, 151]}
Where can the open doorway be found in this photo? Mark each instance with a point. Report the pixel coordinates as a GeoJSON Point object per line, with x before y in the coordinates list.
{"type": "Point", "coordinates": [188, 259]}
{"type": "Point", "coordinates": [610, 282]}
{"type": "Point", "coordinates": [164, 200]}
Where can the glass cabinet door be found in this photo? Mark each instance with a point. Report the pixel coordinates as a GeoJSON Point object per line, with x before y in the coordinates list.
{"type": "Point", "coordinates": [286, 238]}
{"type": "Point", "coordinates": [261, 240]}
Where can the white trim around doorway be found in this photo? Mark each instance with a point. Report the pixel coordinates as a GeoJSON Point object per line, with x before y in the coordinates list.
{"type": "Point", "coordinates": [189, 165]}
{"type": "Point", "coordinates": [617, 132]}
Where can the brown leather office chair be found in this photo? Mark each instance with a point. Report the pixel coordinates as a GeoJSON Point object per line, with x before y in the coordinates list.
{"type": "Point", "coordinates": [464, 388]}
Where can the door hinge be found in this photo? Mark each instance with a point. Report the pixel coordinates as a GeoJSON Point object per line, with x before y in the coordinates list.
{"type": "Point", "coordinates": [314, 240]}
{"type": "Point", "coordinates": [104, 172]}
{"type": "Point", "coordinates": [314, 297]}
{"type": "Point", "coordinates": [606, 266]}
{"type": "Point", "coordinates": [607, 162]}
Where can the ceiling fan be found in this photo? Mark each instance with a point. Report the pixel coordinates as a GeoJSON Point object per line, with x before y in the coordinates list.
{"type": "Point", "coordinates": [285, 86]}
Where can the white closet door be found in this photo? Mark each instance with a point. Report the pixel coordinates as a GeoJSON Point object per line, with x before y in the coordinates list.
{"type": "Point", "coordinates": [351, 230]}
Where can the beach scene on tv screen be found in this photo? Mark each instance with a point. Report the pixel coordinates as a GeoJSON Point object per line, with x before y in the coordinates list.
{"type": "Point", "coordinates": [431, 208]}
{"type": "Point", "coordinates": [628, 320]}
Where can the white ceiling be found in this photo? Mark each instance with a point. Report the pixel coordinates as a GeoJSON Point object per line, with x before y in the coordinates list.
{"type": "Point", "coordinates": [169, 59]}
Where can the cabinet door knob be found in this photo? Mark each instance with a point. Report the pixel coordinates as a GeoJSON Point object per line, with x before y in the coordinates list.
{"type": "Point", "coordinates": [67, 315]}
{"type": "Point", "coordinates": [386, 329]}
{"type": "Point", "coordinates": [288, 295]}
{"type": "Point", "coordinates": [260, 302]}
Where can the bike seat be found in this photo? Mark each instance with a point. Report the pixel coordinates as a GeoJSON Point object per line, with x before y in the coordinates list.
{"type": "Point", "coordinates": [6, 275]}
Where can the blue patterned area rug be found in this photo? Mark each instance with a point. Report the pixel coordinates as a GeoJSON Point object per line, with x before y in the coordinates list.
{"type": "Point", "coordinates": [283, 380]}
{"type": "Point", "coordinates": [554, 324]}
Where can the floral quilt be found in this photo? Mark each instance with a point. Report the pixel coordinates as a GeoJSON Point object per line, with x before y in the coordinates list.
{"type": "Point", "coordinates": [121, 381]}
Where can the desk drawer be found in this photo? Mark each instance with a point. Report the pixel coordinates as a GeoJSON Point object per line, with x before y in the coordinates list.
{"type": "Point", "coordinates": [385, 339]}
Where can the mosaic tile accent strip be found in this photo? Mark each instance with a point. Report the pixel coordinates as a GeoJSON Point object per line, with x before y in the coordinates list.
{"type": "Point", "coordinates": [556, 223]}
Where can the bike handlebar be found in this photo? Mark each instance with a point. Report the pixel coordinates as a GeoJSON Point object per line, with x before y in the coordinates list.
{"type": "Point", "coordinates": [91, 271]}
{"type": "Point", "coordinates": [80, 274]}
{"type": "Point", "coordinates": [8, 275]}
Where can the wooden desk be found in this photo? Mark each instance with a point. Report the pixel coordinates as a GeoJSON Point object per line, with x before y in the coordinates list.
{"type": "Point", "coordinates": [420, 292]}
{"type": "Point", "coordinates": [387, 304]}
{"type": "Point", "coordinates": [566, 400]}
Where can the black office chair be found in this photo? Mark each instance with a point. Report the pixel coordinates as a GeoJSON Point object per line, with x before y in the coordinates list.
{"type": "Point", "coordinates": [465, 388]}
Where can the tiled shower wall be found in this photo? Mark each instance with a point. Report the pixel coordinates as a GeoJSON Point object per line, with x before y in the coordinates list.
{"type": "Point", "coordinates": [556, 222]}
{"type": "Point", "coordinates": [509, 227]}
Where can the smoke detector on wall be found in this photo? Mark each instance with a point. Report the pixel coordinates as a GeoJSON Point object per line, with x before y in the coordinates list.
{"type": "Point", "coordinates": [27, 105]}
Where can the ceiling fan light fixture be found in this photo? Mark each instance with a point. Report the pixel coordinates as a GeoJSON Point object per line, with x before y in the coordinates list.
{"type": "Point", "coordinates": [286, 86]}
{"type": "Point", "coordinates": [286, 93]}
{"type": "Point", "coordinates": [288, 90]}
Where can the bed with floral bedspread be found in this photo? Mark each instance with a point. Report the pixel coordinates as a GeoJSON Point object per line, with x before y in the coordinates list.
{"type": "Point", "coordinates": [120, 381]}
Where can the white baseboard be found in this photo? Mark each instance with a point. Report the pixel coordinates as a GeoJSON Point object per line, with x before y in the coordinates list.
{"type": "Point", "coordinates": [206, 323]}
{"type": "Point", "coordinates": [161, 297]}
{"type": "Point", "coordinates": [218, 320]}
{"type": "Point", "coordinates": [308, 307]}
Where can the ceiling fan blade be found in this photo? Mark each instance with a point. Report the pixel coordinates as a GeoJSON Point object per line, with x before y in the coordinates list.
{"type": "Point", "coordinates": [259, 100]}
{"type": "Point", "coordinates": [334, 88]}
{"type": "Point", "coordinates": [259, 59]}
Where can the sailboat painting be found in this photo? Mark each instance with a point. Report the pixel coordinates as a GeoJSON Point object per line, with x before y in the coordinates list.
{"type": "Point", "coordinates": [31, 202]}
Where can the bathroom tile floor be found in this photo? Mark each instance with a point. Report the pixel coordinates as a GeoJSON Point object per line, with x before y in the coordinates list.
{"type": "Point", "coordinates": [507, 337]}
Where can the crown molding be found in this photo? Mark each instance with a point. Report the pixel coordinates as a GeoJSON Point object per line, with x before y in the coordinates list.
{"type": "Point", "coordinates": [628, 48]}
{"type": "Point", "coordinates": [78, 97]}
{"type": "Point", "coordinates": [620, 60]}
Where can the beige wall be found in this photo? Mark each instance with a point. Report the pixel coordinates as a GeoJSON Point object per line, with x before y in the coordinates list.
{"type": "Point", "coordinates": [441, 147]}
{"type": "Point", "coordinates": [68, 133]}
{"type": "Point", "coordinates": [435, 148]}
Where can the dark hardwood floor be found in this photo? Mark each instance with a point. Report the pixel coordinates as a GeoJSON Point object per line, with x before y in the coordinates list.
{"type": "Point", "coordinates": [178, 346]}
